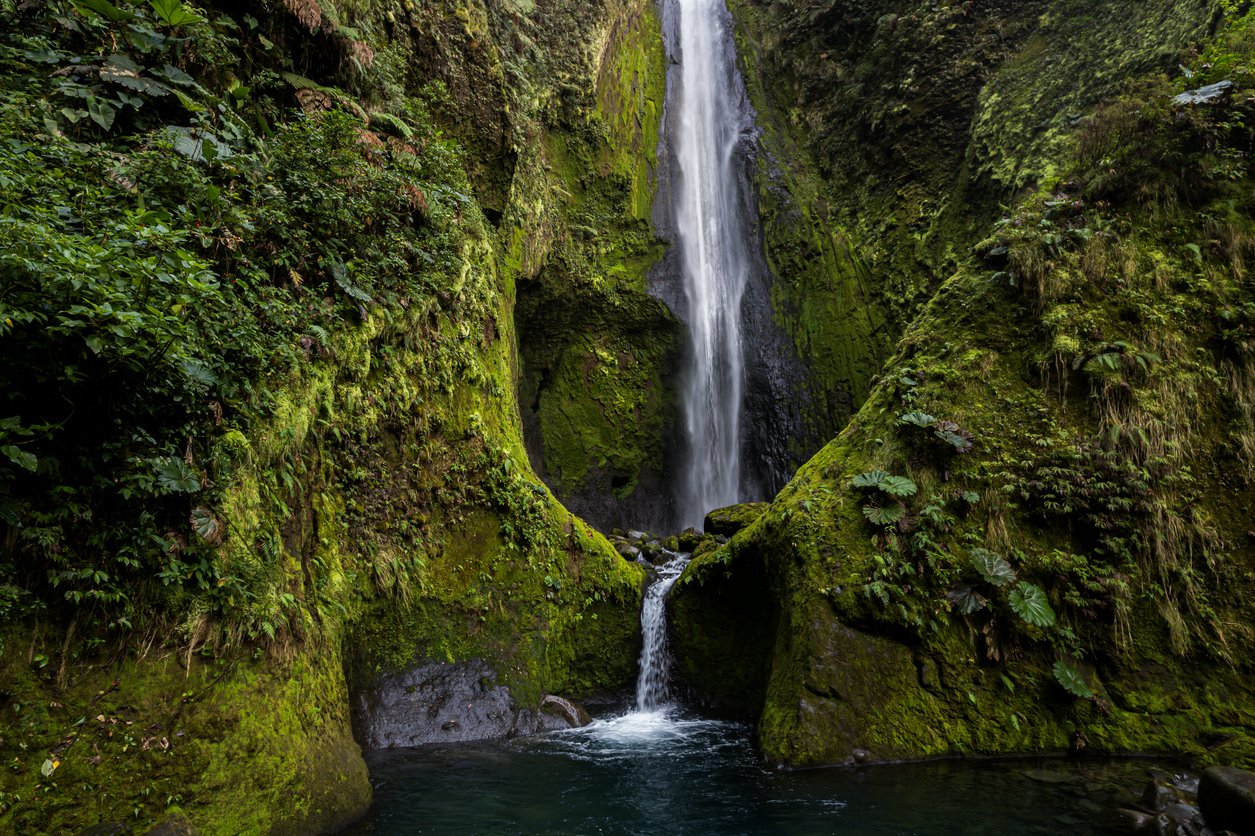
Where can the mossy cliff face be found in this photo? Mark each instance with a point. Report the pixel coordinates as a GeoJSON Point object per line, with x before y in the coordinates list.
{"type": "Point", "coordinates": [1032, 535]}
{"type": "Point", "coordinates": [891, 132]}
{"type": "Point", "coordinates": [599, 355]}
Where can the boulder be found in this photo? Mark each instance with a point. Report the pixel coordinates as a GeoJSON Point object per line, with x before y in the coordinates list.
{"type": "Point", "coordinates": [627, 552]}
{"type": "Point", "coordinates": [728, 521]}
{"type": "Point", "coordinates": [450, 703]}
{"type": "Point", "coordinates": [688, 539]}
{"type": "Point", "coordinates": [1226, 796]}
{"type": "Point", "coordinates": [705, 547]}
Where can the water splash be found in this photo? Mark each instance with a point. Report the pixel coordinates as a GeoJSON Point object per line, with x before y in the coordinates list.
{"type": "Point", "coordinates": [711, 206]}
{"type": "Point", "coordinates": [652, 684]}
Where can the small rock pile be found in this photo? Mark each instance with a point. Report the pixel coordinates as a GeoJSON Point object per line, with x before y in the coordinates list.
{"type": "Point", "coordinates": [1221, 803]}
{"type": "Point", "coordinates": [720, 525]}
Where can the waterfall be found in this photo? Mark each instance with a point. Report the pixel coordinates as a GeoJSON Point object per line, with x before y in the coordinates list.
{"type": "Point", "coordinates": [651, 685]}
{"type": "Point", "coordinates": [711, 211]}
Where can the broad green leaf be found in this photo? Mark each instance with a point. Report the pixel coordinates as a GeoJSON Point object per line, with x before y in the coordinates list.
{"type": "Point", "coordinates": [172, 12]}
{"type": "Point", "coordinates": [992, 567]}
{"type": "Point", "coordinates": [9, 515]}
{"type": "Point", "coordinates": [102, 113]}
{"type": "Point", "coordinates": [871, 479]}
{"type": "Point", "coordinates": [177, 476]}
{"type": "Point", "coordinates": [120, 69]}
{"type": "Point", "coordinates": [898, 486]}
{"type": "Point", "coordinates": [103, 8]}
{"type": "Point", "coordinates": [1072, 681]}
{"type": "Point", "coordinates": [966, 599]}
{"type": "Point", "coordinates": [884, 516]}
{"type": "Point", "coordinates": [918, 419]}
{"type": "Point", "coordinates": [176, 75]}
{"type": "Point", "coordinates": [20, 457]}
{"type": "Point", "coordinates": [1030, 604]}
{"type": "Point", "coordinates": [207, 525]}
{"type": "Point", "coordinates": [198, 373]}
{"type": "Point", "coordinates": [955, 440]}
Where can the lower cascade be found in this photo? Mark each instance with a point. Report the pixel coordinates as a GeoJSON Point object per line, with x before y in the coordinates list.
{"type": "Point", "coordinates": [652, 684]}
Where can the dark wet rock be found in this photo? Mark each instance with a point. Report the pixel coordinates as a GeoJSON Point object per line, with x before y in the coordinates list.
{"type": "Point", "coordinates": [628, 551]}
{"type": "Point", "coordinates": [689, 538]}
{"type": "Point", "coordinates": [1161, 825]}
{"type": "Point", "coordinates": [1226, 796]}
{"type": "Point", "coordinates": [443, 703]}
{"type": "Point", "coordinates": [660, 558]}
{"type": "Point", "coordinates": [1158, 794]}
{"type": "Point", "coordinates": [1052, 776]}
{"type": "Point", "coordinates": [571, 712]}
{"type": "Point", "coordinates": [174, 823]}
{"type": "Point", "coordinates": [1131, 821]}
{"type": "Point", "coordinates": [108, 828]}
{"type": "Point", "coordinates": [638, 536]}
{"type": "Point", "coordinates": [1180, 811]}
{"type": "Point", "coordinates": [728, 521]}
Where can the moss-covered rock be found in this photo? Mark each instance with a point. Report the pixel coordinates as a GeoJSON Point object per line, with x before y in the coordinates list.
{"type": "Point", "coordinates": [728, 521]}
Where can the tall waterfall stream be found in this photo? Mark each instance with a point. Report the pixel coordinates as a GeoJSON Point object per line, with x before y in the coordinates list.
{"type": "Point", "coordinates": [711, 217]}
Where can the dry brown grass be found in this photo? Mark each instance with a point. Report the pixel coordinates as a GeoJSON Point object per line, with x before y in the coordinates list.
{"type": "Point", "coordinates": [1241, 385]}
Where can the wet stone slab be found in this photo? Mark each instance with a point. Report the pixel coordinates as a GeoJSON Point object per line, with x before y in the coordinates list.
{"type": "Point", "coordinates": [439, 702]}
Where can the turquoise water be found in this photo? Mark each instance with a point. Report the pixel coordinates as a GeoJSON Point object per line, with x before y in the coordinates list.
{"type": "Point", "coordinates": [675, 772]}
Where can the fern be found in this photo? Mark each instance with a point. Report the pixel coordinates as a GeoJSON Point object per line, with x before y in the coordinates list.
{"type": "Point", "coordinates": [390, 124]}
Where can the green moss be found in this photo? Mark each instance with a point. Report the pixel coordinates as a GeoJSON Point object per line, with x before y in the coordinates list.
{"type": "Point", "coordinates": [1095, 370]}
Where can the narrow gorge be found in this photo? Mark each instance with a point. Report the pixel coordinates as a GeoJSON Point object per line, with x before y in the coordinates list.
{"type": "Point", "coordinates": [417, 413]}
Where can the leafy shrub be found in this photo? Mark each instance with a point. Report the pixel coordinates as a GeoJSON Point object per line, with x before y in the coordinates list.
{"type": "Point", "coordinates": [167, 256]}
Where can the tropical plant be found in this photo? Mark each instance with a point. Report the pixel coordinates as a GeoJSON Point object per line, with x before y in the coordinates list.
{"type": "Point", "coordinates": [1072, 681]}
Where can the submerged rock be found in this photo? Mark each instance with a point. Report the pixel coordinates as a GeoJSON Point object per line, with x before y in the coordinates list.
{"type": "Point", "coordinates": [1226, 796]}
{"type": "Point", "coordinates": [1159, 794]}
{"type": "Point", "coordinates": [108, 828]}
{"type": "Point", "coordinates": [728, 521]}
{"type": "Point", "coordinates": [448, 703]}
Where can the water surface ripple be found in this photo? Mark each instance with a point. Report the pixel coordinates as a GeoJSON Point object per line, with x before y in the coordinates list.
{"type": "Point", "coordinates": [674, 772]}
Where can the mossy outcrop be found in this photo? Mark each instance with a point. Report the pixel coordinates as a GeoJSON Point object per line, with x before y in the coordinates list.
{"type": "Point", "coordinates": [1029, 538]}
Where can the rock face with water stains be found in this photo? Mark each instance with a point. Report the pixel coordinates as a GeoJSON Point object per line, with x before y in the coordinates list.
{"type": "Point", "coordinates": [451, 703]}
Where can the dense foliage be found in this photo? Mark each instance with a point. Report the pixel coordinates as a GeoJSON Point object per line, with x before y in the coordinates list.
{"type": "Point", "coordinates": [175, 241]}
